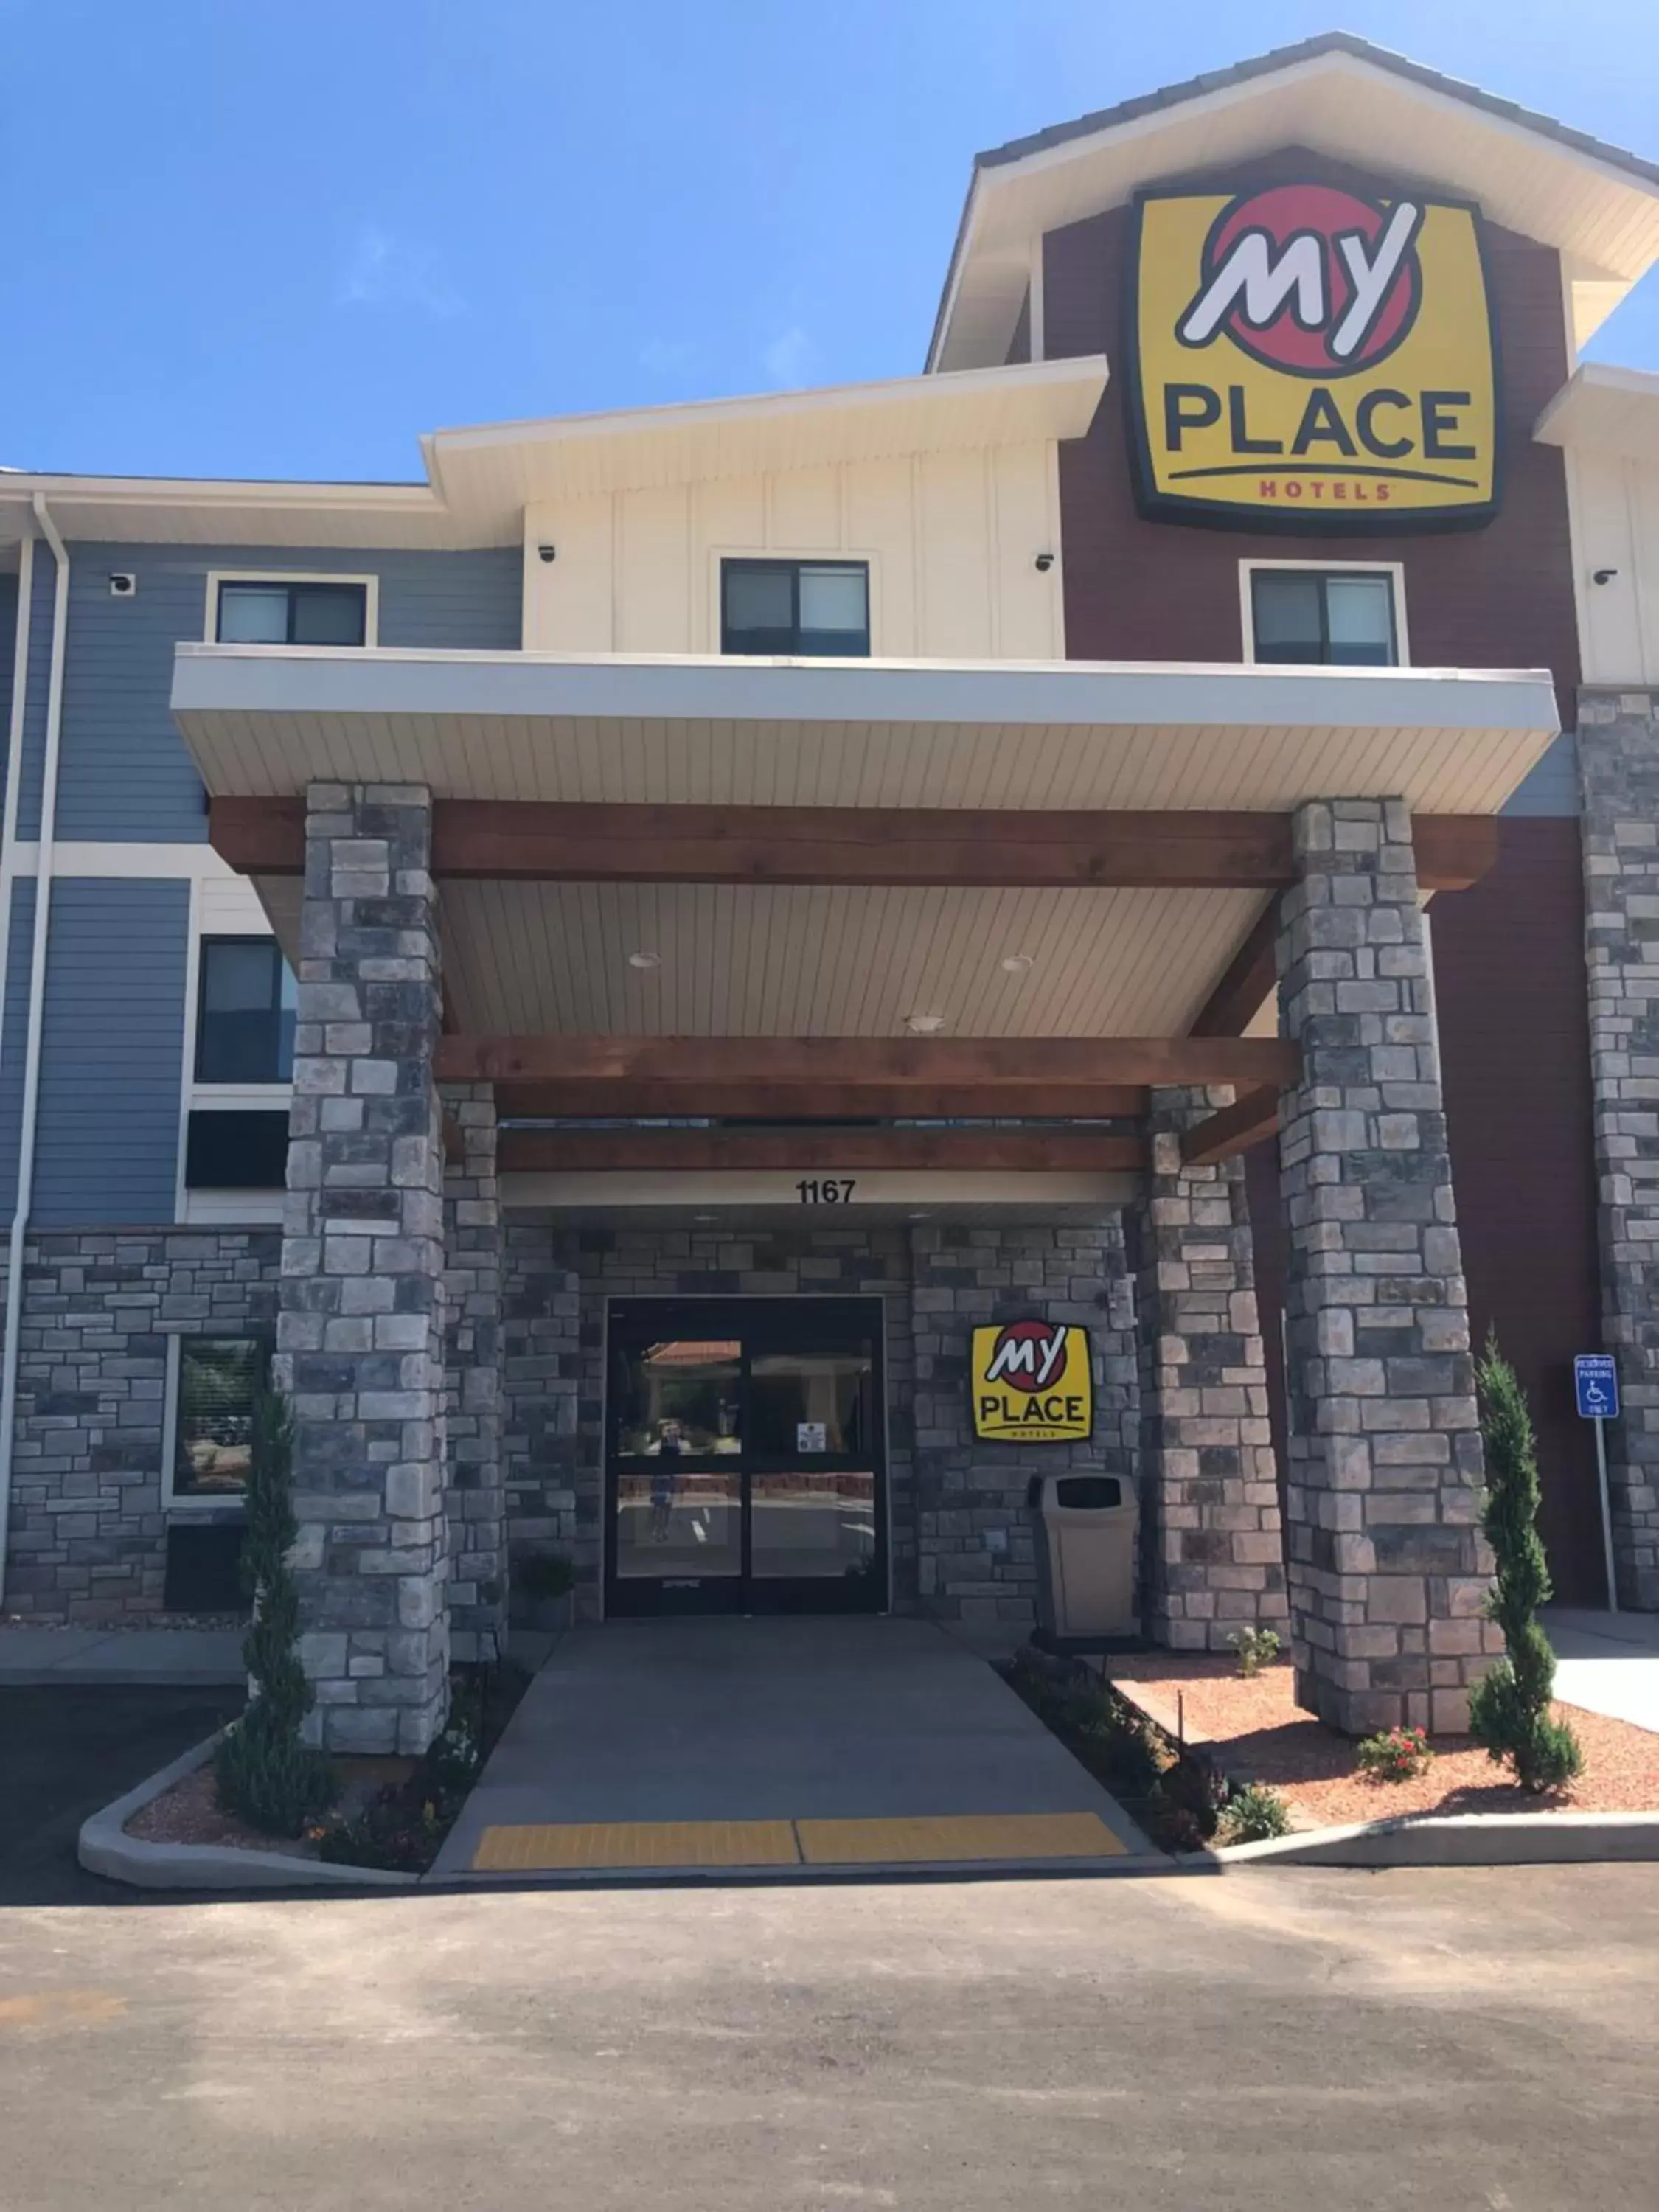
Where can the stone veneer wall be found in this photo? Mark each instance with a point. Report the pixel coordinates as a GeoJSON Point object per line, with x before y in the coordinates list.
{"type": "Point", "coordinates": [1619, 765]}
{"type": "Point", "coordinates": [1213, 1551]}
{"type": "Point", "coordinates": [948, 1496]}
{"type": "Point", "coordinates": [1387, 1568]}
{"type": "Point", "coordinates": [966, 1493]}
{"type": "Point", "coordinates": [359, 1325]}
{"type": "Point", "coordinates": [88, 1539]}
{"type": "Point", "coordinates": [475, 1501]}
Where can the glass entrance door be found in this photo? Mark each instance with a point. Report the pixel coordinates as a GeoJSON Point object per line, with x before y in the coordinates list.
{"type": "Point", "coordinates": [744, 1462]}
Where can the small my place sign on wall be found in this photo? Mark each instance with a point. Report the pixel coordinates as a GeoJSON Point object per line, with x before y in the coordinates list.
{"type": "Point", "coordinates": [1032, 1383]}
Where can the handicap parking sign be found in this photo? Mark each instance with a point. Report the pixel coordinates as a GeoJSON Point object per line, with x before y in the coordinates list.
{"type": "Point", "coordinates": [1596, 1383]}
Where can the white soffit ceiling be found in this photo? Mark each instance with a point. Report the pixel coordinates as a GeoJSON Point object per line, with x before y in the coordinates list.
{"type": "Point", "coordinates": [1605, 410]}
{"type": "Point", "coordinates": [795, 960]}
{"type": "Point", "coordinates": [1606, 218]}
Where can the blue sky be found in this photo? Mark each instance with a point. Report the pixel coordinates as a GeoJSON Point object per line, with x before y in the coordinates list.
{"type": "Point", "coordinates": [256, 241]}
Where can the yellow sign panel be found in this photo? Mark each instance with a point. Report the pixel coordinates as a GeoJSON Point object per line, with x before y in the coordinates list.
{"type": "Point", "coordinates": [1032, 1383]}
{"type": "Point", "coordinates": [1305, 359]}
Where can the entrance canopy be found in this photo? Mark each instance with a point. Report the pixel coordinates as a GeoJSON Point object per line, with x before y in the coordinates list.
{"type": "Point", "coordinates": [806, 891]}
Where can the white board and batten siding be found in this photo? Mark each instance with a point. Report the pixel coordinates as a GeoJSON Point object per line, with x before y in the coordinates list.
{"type": "Point", "coordinates": [1615, 507]}
{"type": "Point", "coordinates": [951, 540]}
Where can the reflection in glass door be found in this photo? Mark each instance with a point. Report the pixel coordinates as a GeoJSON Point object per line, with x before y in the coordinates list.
{"type": "Point", "coordinates": [743, 1456]}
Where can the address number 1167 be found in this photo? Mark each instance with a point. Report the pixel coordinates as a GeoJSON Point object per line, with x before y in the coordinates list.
{"type": "Point", "coordinates": [827, 1190]}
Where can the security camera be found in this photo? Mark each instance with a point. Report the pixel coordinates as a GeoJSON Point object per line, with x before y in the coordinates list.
{"type": "Point", "coordinates": [548, 552]}
{"type": "Point", "coordinates": [1603, 576]}
{"type": "Point", "coordinates": [1044, 562]}
{"type": "Point", "coordinates": [122, 585]}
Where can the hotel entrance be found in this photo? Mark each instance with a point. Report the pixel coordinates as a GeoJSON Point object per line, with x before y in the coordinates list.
{"type": "Point", "coordinates": [744, 1456]}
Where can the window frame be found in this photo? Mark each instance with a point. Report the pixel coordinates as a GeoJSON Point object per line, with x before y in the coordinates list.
{"type": "Point", "coordinates": [1394, 570]}
{"type": "Point", "coordinates": [215, 1089]}
{"type": "Point", "coordinates": [775, 557]}
{"type": "Point", "coordinates": [371, 590]}
{"type": "Point", "coordinates": [175, 1501]}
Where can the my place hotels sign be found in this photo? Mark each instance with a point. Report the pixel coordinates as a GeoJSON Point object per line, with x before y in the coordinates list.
{"type": "Point", "coordinates": [1032, 1383]}
{"type": "Point", "coordinates": [1303, 358]}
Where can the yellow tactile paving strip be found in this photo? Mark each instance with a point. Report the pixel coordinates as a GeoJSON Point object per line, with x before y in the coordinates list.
{"type": "Point", "coordinates": [590, 1846]}
{"type": "Point", "coordinates": [613, 1846]}
{"type": "Point", "coordinates": [959, 1837]}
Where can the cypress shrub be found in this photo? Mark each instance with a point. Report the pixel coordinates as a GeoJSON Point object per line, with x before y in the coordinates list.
{"type": "Point", "coordinates": [264, 1774]}
{"type": "Point", "coordinates": [1509, 1707]}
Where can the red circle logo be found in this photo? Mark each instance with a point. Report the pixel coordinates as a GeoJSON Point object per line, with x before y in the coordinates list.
{"type": "Point", "coordinates": [1319, 282]}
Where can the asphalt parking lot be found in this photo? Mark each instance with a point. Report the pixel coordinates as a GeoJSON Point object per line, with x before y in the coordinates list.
{"type": "Point", "coordinates": [66, 1751]}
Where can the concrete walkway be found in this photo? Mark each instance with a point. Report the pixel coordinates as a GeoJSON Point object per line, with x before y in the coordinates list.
{"type": "Point", "coordinates": [773, 1731]}
{"type": "Point", "coordinates": [183, 1658]}
{"type": "Point", "coordinates": [1608, 1662]}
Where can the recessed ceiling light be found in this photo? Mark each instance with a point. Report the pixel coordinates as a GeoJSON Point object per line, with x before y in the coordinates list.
{"type": "Point", "coordinates": [924, 1024]}
{"type": "Point", "coordinates": [1017, 963]}
{"type": "Point", "coordinates": [703, 1217]}
{"type": "Point", "coordinates": [918, 1217]}
{"type": "Point", "coordinates": [645, 960]}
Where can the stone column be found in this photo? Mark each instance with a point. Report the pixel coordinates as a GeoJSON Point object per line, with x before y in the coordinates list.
{"type": "Point", "coordinates": [1618, 768]}
{"type": "Point", "coordinates": [475, 1497]}
{"type": "Point", "coordinates": [360, 1324]}
{"type": "Point", "coordinates": [1213, 1549]}
{"type": "Point", "coordinates": [1387, 1567]}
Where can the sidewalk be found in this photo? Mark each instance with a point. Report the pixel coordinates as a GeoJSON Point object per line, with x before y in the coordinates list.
{"type": "Point", "coordinates": [1607, 1662]}
{"type": "Point", "coordinates": [182, 1658]}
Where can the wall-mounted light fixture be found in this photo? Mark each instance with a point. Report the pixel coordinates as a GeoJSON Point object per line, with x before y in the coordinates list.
{"type": "Point", "coordinates": [1044, 562]}
{"type": "Point", "coordinates": [1602, 575]}
{"type": "Point", "coordinates": [548, 552]}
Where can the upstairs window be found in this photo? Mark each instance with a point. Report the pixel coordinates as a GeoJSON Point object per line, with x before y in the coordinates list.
{"type": "Point", "coordinates": [245, 1025]}
{"type": "Point", "coordinates": [1332, 618]}
{"type": "Point", "coordinates": [303, 611]}
{"type": "Point", "coordinates": [810, 609]}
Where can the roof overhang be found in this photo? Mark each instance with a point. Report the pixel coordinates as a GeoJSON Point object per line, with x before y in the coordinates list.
{"type": "Point", "coordinates": [782, 957]}
{"type": "Point", "coordinates": [506, 467]}
{"type": "Point", "coordinates": [270, 719]}
{"type": "Point", "coordinates": [1339, 96]}
{"type": "Point", "coordinates": [482, 480]}
{"type": "Point", "coordinates": [1605, 410]}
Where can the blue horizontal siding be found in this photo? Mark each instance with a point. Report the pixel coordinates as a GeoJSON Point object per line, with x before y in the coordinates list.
{"type": "Point", "coordinates": [1553, 785]}
{"type": "Point", "coordinates": [7, 657]}
{"type": "Point", "coordinates": [18, 951]}
{"type": "Point", "coordinates": [125, 773]}
{"type": "Point", "coordinates": [112, 1052]}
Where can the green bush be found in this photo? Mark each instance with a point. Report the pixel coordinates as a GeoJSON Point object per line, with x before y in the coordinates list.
{"type": "Point", "coordinates": [1510, 1708]}
{"type": "Point", "coordinates": [544, 1574]}
{"type": "Point", "coordinates": [1256, 1647]}
{"type": "Point", "coordinates": [1252, 1815]}
{"type": "Point", "coordinates": [263, 1773]}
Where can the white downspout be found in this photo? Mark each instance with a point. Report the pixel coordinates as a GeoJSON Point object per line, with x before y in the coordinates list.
{"type": "Point", "coordinates": [19, 1220]}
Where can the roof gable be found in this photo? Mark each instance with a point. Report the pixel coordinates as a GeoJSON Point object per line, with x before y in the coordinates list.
{"type": "Point", "coordinates": [1339, 95]}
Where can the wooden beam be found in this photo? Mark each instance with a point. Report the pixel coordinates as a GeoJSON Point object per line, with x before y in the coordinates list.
{"type": "Point", "coordinates": [1232, 1130]}
{"type": "Point", "coordinates": [540, 841]}
{"type": "Point", "coordinates": [1245, 981]}
{"type": "Point", "coordinates": [1086, 1063]}
{"type": "Point", "coordinates": [824, 1101]}
{"type": "Point", "coordinates": [1086, 1152]}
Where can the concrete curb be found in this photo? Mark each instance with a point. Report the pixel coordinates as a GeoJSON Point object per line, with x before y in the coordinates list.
{"type": "Point", "coordinates": [106, 1847]}
{"type": "Point", "coordinates": [1443, 1839]}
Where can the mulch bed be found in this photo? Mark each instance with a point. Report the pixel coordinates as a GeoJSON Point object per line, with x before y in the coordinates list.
{"type": "Point", "coordinates": [189, 1813]}
{"type": "Point", "coordinates": [1261, 1734]}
